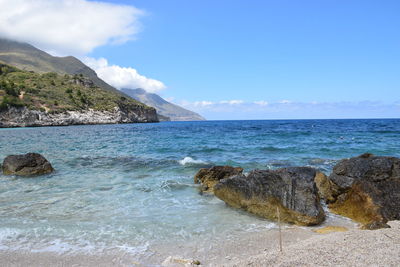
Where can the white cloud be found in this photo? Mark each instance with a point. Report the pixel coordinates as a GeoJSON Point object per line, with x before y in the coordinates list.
{"type": "Point", "coordinates": [286, 109]}
{"type": "Point", "coordinates": [232, 102]}
{"type": "Point", "coordinates": [202, 103]}
{"type": "Point", "coordinates": [68, 27]}
{"type": "Point", "coordinates": [170, 98]}
{"type": "Point", "coordinates": [76, 27]}
{"type": "Point", "coordinates": [121, 77]}
{"type": "Point", "coordinates": [261, 103]}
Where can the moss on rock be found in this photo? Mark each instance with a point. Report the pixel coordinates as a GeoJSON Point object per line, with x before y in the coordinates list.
{"type": "Point", "coordinates": [358, 205]}
{"type": "Point", "coordinates": [290, 190]}
{"type": "Point", "coordinates": [367, 190]}
{"type": "Point", "coordinates": [208, 178]}
{"type": "Point", "coordinates": [327, 190]}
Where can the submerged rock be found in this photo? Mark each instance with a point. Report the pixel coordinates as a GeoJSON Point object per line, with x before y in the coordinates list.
{"type": "Point", "coordinates": [208, 178]}
{"type": "Point", "coordinates": [26, 165]}
{"type": "Point", "coordinates": [177, 261]}
{"type": "Point", "coordinates": [291, 190]}
{"type": "Point", "coordinates": [368, 190]}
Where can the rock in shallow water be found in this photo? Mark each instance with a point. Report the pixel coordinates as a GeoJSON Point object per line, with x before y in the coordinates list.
{"type": "Point", "coordinates": [368, 189]}
{"type": "Point", "coordinates": [177, 262]}
{"type": "Point", "coordinates": [208, 178]}
{"type": "Point", "coordinates": [292, 190]}
{"type": "Point", "coordinates": [26, 165]}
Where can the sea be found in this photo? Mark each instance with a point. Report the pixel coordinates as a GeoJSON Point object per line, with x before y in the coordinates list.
{"type": "Point", "coordinates": [130, 187]}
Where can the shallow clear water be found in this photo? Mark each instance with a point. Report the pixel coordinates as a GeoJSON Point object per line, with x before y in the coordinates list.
{"type": "Point", "coordinates": [130, 186]}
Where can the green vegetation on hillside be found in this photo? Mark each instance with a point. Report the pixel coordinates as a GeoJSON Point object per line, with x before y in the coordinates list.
{"type": "Point", "coordinates": [52, 92]}
{"type": "Point", "coordinates": [27, 57]}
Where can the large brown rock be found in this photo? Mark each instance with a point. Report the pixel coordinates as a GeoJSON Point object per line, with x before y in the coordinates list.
{"type": "Point", "coordinates": [368, 189]}
{"type": "Point", "coordinates": [208, 178]}
{"type": "Point", "coordinates": [26, 165]}
{"type": "Point", "coordinates": [327, 190]}
{"type": "Point", "coordinates": [291, 190]}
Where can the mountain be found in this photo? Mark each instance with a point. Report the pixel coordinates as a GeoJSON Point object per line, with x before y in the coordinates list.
{"type": "Point", "coordinates": [163, 107]}
{"type": "Point", "coordinates": [37, 89]}
{"type": "Point", "coordinates": [50, 99]}
{"type": "Point", "coordinates": [27, 57]}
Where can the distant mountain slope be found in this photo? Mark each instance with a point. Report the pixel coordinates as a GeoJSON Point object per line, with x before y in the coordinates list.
{"type": "Point", "coordinates": [163, 107]}
{"type": "Point", "coordinates": [50, 99]}
{"type": "Point", "coordinates": [27, 57]}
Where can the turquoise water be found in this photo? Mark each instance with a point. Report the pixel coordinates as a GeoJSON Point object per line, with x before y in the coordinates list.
{"type": "Point", "coordinates": [128, 187]}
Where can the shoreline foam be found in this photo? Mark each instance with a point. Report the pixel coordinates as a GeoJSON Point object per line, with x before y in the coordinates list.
{"type": "Point", "coordinates": [301, 247]}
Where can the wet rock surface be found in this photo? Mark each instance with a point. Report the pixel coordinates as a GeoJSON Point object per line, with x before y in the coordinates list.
{"type": "Point", "coordinates": [30, 164]}
{"type": "Point", "coordinates": [208, 178]}
{"type": "Point", "coordinates": [291, 190]}
{"type": "Point", "coordinates": [368, 190]}
{"type": "Point", "coordinates": [327, 190]}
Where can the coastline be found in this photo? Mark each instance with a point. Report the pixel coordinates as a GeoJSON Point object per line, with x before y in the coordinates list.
{"type": "Point", "coordinates": [209, 253]}
{"type": "Point", "coordinates": [119, 195]}
{"type": "Point", "coordinates": [301, 247]}
{"type": "Point", "coordinates": [23, 117]}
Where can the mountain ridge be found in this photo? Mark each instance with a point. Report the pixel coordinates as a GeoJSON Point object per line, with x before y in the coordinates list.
{"type": "Point", "coordinates": [163, 107]}
{"type": "Point", "coordinates": [25, 56]}
{"type": "Point", "coordinates": [37, 89]}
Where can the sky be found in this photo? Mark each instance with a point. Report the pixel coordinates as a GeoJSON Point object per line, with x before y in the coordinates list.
{"type": "Point", "coordinates": [230, 59]}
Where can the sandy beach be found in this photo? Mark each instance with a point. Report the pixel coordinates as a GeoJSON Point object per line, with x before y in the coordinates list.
{"type": "Point", "coordinates": [352, 248]}
{"type": "Point", "coordinates": [301, 247]}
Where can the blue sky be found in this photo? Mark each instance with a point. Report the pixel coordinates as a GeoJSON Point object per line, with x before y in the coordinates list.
{"type": "Point", "coordinates": [301, 51]}
{"type": "Point", "coordinates": [267, 59]}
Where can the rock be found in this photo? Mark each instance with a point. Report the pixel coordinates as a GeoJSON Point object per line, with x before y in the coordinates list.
{"type": "Point", "coordinates": [292, 190]}
{"type": "Point", "coordinates": [368, 190]}
{"type": "Point", "coordinates": [375, 225]}
{"type": "Point", "coordinates": [210, 177]}
{"type": "Point", "coordinates": [26, 165]}
{"type": "Point", "coordinates": [176, 262]}
{"type": "Point", "coordinates": [124, 113]}
{"type": "Point", "coordinates": [84, 81]}
{"type": "Point", "coordinates": [327, 190]}
{"type": "Point", "coordinates": [331, 229]}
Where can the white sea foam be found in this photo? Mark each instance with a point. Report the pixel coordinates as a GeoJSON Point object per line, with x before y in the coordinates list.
{"type": "Point", "coordinates": [190, 161]}
{"type": "Point", "coordinates": [13, 242]}
{"type": "Point", "coordinates": [252, 227]}
{"type": "Point", "coordinates": [7, 234]}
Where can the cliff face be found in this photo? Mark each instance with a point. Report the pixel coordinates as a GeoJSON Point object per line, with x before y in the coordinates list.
{"type": "Point", "coordinates": [164, 108]}
{"type": "Point", "coordinates": [23, 117]}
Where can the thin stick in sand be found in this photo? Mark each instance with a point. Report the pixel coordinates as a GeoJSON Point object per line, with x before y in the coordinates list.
{"type": "Point", "coordinates": [279, 226]}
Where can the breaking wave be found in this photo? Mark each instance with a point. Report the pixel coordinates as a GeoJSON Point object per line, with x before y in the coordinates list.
{"type": "Point", "coordinates": [190, 161]}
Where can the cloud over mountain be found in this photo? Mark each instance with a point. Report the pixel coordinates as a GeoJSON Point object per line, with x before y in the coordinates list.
{"type": "Point", "coordinates": [122, 77]}
{"type": "Point", "coordinates": [68, 27]}
{"type": "Point", "coordinates": [76, 27]}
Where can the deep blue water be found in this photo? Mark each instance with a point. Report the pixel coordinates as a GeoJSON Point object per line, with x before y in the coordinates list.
{"type": "Point", "coordinates": [130, 186]}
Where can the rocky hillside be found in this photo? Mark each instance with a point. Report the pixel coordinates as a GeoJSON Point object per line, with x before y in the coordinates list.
{"type": "Point", "coordinates": [28, 98]}
{"type": "Point", "coordinates": [27, 57]}
{"type": "Point", "coordinates": [165, 108]}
